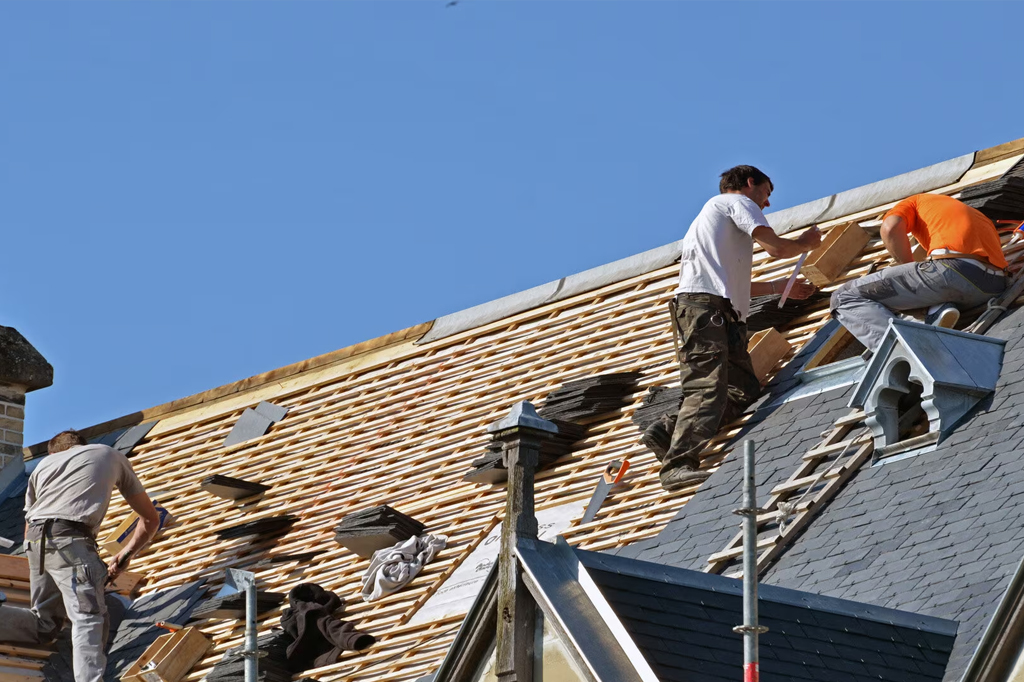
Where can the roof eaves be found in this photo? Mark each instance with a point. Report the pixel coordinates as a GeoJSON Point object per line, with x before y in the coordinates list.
{"type": "Point", "coordinates": [780, 595]}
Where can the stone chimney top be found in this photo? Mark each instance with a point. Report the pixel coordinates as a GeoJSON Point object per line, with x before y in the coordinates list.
{"type": "Point", "coordinates": [22, 370]}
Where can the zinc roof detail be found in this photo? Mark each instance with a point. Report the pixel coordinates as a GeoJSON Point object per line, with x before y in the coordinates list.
{"type": "Point", "coordinates": [397, 421]}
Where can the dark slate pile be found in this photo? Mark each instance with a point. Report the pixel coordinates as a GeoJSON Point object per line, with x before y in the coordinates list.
{"type": "Point", "coordinates": [586, 400]}
{"type": "Point", "coordinates": [571, 408]}
{"type": "Point", "coordinates": [659, 400]}
{"type": "Point", "coordinates": [1001, 199]}
{"type": "Point", "coordinates": [765, 312]}
{"type": "Point", "coordinates": [231, 488]}
{"type": "Point", "coordinates": [364, 532]}
{"type": "Point", "coordinates": [491, 469]}
{"type": "Point", "coordinates": [233, 605]}
{"type": "Point", "coordinates": [265, 527]}
{"type": "Point", "coordinates": [272, 667]}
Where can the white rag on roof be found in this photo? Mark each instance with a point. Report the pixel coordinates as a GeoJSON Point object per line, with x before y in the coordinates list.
{"type": "Point", "coordinates": [393, 568]}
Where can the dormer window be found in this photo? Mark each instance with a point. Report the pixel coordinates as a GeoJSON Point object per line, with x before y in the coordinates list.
{"type": "Point", "coordinates": [921, 381]}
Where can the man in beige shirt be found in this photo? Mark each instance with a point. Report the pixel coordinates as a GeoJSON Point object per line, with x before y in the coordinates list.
{"type": "Point", "coordinates": [67, 497]}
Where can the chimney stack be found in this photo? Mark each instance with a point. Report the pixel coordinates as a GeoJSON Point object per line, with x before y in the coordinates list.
{"type": "Point", "coordinates": [22, 370]}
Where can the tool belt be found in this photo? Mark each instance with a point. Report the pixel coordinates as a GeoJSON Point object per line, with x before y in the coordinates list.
{"type": "Point", "coordinates": [55, 528]}
{"type": "Point", "coordinates": [706, 302]}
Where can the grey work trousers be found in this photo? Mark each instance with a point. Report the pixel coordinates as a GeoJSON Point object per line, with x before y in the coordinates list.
{"type": "Point", "coordinates": [71, 586]}
{"type": "Point", "coordinates": [864, 306]}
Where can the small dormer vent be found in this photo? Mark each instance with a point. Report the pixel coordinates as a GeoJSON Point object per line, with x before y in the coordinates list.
{"type": "Point", "coordinates": [922, 380]}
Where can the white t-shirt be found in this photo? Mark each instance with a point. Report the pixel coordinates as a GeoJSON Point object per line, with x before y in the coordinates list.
{"type": "Point", "coordinates": [718, 250]}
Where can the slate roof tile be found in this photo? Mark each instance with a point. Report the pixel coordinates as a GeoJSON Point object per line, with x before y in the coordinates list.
{"type": "Point", "coordinates": [940, 533]}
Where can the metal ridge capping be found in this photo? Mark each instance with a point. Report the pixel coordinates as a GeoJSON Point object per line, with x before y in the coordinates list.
{"type": "Point", "coordinates": [827, 208]}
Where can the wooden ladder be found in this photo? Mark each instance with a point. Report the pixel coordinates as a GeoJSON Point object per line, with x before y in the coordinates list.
{"type": "Point", "coordinates": [793, 504]}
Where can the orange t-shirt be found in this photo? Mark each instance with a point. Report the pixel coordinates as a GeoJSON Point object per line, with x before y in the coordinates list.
{"type": "Point", "coordinates": [941, 222]}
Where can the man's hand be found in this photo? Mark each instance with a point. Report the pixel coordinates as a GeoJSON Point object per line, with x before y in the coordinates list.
{"type": "Point", "coordinates": [801, 289]}
{"type": "Point", "coordinates": [810, 239]}
{"type": "Point", "coordinates": [117, 564]}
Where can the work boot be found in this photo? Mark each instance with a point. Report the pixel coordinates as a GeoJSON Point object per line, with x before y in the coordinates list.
{"type": "Point", "coordinates": [658, 436]}
{"type": "Point", "coordinates": [682, 476]}
{"type": "Point", "coordinates": [945, 316]}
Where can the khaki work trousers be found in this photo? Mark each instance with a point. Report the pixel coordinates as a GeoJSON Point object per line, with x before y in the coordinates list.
{"type": "Point", "coordinates": [71, 587]}
{"type": "Point", "coordinates": [718, 379]}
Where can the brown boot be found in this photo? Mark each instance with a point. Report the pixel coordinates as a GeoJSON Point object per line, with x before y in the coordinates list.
{"type": "Point", "coordinates": [683, 476]}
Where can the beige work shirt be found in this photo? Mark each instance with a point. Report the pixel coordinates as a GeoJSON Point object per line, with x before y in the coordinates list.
{"type": "Point", "coordinates": [75, 485]}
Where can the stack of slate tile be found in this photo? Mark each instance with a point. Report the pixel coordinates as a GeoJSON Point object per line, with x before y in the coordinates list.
{"type": "Point", "coordinates": [491, 469]}
{"type": "Point", "coordinates": [272, 667]}
{"type": "Point", "coordinates": [1001, 199]}
{"type": "Point", "coordinates": [586, 400]}
{"type": "Point", "coordinates": [766, 313]}
{"type": "Point", "coordinates": [571, 408]}
{"type": "Point", "coordinates": [658, 401]}
{"type": "Point", "coordinates": [264, 528]}
{"type": "Point", "coordinates": [233, 605]}
{"type": "Point", "coordinates": [231, 488]}
{"type": "Point", "coordinates": [364, 532]}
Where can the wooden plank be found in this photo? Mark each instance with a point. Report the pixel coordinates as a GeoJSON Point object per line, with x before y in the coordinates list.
{"type": "Point", "coordinates": [766, 348]}
{"type": "Point", "coordinates": [841, 245]}
{"type": "Point", "coordinates": [18, 675]}
{"type": "Point", "coordinates": [999, 152]}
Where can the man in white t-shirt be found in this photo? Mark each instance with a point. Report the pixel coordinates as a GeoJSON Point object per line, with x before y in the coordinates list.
{"type": "Point", "coordinates": [712, 302]}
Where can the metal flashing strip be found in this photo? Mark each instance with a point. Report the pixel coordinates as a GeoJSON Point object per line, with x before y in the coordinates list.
{"type": "Point", "coordinates": [820, 210]}
{"type": "Point", "coordinates": [825, 378]}
{"type": "Point", "coordinates": [556, 579]}
{"type": "Point", "coordinates": [551, 292]}
{"type": "Point", "coordinates": [779, 595]}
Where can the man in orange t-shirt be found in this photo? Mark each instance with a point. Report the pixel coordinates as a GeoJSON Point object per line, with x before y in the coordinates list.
{"type": "Point", "coordinates": [964, 268]}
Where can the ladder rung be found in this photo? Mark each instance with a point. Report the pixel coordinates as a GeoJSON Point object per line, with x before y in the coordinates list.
{"type": "Point", "coordinates": [852, 418]}
{"type": "Point", "coordinates": [790, 486]}
{"type": "Point", "coordinates": [729, 554]}
{"type": "Point", "coordinates": [826, 450]}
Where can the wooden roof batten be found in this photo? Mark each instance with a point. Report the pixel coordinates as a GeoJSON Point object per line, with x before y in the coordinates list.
{"type": "Point", "coordinates": [400, 417]}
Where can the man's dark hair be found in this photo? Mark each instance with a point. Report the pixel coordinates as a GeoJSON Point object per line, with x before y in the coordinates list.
{"type": "Point", "coordinates": [64, 441]}
{"type": "Point", "coordinates": [736, 178]}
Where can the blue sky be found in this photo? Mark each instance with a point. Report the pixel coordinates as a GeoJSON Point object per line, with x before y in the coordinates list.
{"type": "Point", "coordinates": [192, 193]}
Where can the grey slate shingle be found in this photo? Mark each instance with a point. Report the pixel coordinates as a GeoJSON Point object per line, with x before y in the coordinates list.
{"type": "Point", "coordinates": [682, 622]}
{"type": "Point", "coordinates": [940, 533]}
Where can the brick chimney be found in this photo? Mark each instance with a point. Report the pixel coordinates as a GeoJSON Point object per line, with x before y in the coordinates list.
{"type": "Point", "coordinates": [22, 370]}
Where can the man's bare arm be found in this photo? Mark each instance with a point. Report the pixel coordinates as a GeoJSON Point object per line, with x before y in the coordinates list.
{"type": "Point", "coordinates": [149, 523]}
{"type": "Point", "coordinates": [894, 236]}
{"type": "Point", "coordinates": [781, 247]}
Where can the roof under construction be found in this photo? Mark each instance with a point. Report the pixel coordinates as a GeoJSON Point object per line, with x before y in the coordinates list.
{"type": "Point", "coordinates": [398, 421]}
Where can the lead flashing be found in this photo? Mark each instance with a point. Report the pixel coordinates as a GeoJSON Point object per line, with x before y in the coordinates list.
{"type": "Point", "coordinates": [827, 208]}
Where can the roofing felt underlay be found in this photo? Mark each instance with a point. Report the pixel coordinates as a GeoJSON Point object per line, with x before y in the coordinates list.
{"type": "Point", "coordinates": [398, 420]}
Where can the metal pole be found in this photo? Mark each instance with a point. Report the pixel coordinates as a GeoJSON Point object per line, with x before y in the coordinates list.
{"type": "Point", "coordinates": [250, 652]}
{"type": "Point", "coordinates": [750, 628]}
